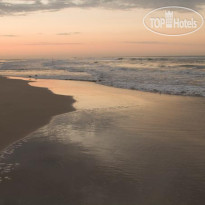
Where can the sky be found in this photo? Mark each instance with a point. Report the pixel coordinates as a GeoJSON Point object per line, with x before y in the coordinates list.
{"type": "Point", "coordinates": [90, 28]}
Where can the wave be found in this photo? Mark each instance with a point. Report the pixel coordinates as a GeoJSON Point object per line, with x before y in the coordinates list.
{"type": "Point", "coordinates": [169, 75]}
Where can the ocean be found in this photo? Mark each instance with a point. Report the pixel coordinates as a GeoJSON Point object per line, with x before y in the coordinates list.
{"type": "Point", "coordinates": [168, 75]}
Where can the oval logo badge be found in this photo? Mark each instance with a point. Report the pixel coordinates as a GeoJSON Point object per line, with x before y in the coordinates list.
{"type": "Point", "coordinates": [173, 21]}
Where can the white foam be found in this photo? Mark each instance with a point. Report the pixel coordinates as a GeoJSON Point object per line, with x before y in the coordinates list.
{"type": "Point", "coordinates": [173, 75]}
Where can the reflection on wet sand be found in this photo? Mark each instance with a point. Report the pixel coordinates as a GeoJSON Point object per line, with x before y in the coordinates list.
{"type": "Point", "coordinates": [120, 147]}
{"type": "Point", "coordinates": [91, 95]}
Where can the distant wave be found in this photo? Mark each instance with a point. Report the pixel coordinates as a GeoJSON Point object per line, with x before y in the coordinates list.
{"type": "Point", "coordinates": [169, 75]}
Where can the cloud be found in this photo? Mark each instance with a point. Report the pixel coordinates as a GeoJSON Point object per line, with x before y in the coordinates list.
{"type": "Point", "coordinates": [50, 44]}
{"type": "Point", "coordinates": [145, 42]}
{"type": "Point", "coordinates": [9, 35]}
{"type": "Point", "coordinates": [10, 7]}
{"type": "Point", "coordinates": [162, 43]}
{"type": "Point", "coordinates": [68, 34]}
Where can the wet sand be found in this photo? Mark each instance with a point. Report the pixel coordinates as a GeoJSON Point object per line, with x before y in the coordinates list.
{"type": "Point", "coordinates": [119, 147]}
{"type": "Point", "coordinates": [24, 108]}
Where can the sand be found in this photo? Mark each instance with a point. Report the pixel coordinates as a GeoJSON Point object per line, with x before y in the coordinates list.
{"type": "Point", "coordinates": [24, 108]}
{"type": "Point", "coordinates": [119, 147]}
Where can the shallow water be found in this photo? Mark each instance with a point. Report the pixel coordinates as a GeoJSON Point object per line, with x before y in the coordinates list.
{"type": "Point", "coordinates": [129, 155]}
{"type": "Point", "coordinates": [170, 75]}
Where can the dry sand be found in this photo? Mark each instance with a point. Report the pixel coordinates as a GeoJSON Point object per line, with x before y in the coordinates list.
{"type": "Point", "coordinates": [24, 108]}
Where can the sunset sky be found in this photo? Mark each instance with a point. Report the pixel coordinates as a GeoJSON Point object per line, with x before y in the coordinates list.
{"type": "Point", "coordinates": [69, 28]}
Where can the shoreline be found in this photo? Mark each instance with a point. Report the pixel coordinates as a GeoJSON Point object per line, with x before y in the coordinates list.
{"type": "Point", "coordinates": [20, 115]}
{"type": "Point", "coordinates": [32, 78]}
{"type": "Point", "coordinates": [133, 138]}
{"type": "Point", "coordinates": [24, 108]}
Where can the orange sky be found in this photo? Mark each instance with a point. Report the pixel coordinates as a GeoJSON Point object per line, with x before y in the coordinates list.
{"type": "Point", "coordinates": [90, 32]}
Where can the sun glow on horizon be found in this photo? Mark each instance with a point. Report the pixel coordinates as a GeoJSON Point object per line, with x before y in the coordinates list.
{"type": "Point", "coordinates": [90, 32]}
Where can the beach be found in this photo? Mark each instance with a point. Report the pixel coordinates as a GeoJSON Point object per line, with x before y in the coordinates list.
{"type": "Point", "coordinates": [118, 147]}
{"type": "Point", "coordinates": [102, 102]}
{"type": "Point", "coordinates": [23, 109]}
